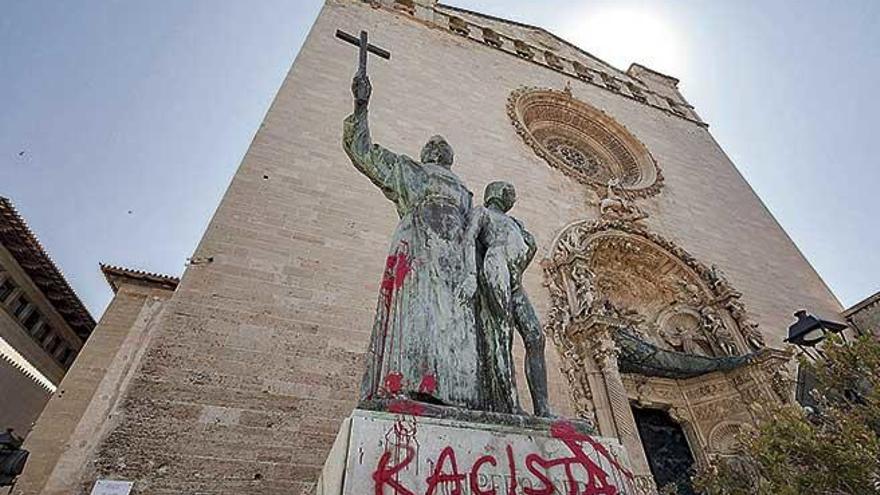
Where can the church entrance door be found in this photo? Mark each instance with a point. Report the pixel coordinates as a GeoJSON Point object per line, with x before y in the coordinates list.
{"type": "Point", "coordinates": [666, 447]}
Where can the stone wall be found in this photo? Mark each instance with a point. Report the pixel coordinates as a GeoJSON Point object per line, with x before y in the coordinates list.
{"type": "Point", "coordinates": [67, 431]}
{"type": "Point", "coordinates": [259, 355]}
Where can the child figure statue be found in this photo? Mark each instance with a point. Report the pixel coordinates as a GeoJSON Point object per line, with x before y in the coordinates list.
{"type": "Point", "coordinates": [498, 250]}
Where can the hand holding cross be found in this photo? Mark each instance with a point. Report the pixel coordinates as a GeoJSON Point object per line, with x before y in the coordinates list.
{"type": "Point", "coordinates": [360, 86]}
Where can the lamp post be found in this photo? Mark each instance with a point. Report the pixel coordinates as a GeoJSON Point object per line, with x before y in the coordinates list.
{"type": "Point", "coordinates": [12, 458]}
{"type": "Point", "coordinates": [807, 333]}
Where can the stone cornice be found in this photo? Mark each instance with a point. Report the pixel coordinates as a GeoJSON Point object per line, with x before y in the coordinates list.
{"type": "Point", "coordinates": [17, 238]}
{"type": "Point", "coordinates": [862, 305]}
{"type": "Point", "coordinates": [116, 275]}
{"type": "Point", "coordinates": [615, 81]}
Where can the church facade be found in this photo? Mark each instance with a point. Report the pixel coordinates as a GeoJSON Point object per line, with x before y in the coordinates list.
{"type": "Point", "coordinates": [642, 223]}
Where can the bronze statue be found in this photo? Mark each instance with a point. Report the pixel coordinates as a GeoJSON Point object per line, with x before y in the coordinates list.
{"type": "Point", "coordinates": [428, 343]}
{"type": "Point", "coordinates": [498, 250]}
{"type": "Point", "coordinates": [424, 342]}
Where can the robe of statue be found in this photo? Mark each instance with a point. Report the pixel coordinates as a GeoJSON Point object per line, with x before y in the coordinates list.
{"type": "Point", "coordinates": [423, 343]}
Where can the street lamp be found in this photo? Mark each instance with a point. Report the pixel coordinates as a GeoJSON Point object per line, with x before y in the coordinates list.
{"type": "Point", "coordinates": [809, 331]}
{"type": "Point", "coordinates": [806, 333]}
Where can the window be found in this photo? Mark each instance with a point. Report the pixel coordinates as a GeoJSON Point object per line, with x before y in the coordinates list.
{"type": "Point", "coordinates": [68, 360]}
{"type": "Point", "coordinates": [20, 306]}
{"type": "Point", "coordinates": [42, 331]}
{"type": "Point", "coordinates": [49, 340]}
{"type": "Point", "coordinates": [31, 321]}
{"type": "Point", "coordinates": [6, 288]}
{"type": "Point", "coordinates": [64, 357]}
{"type": "Point", "coordinates": [59, 350]}
{"type": "Point", "coordinates": [53, 345]}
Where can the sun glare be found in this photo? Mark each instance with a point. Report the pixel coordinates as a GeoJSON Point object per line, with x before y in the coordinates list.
{"type": "Point", "coordinates": [623, 35]}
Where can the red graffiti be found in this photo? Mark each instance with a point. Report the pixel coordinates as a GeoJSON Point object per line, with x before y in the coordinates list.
{"type": "Point", "coordinates": [567, 434]}
{"type": "Point", "coordinates": [393, 382]}
{"type": "Point", "coordinates": [511, 465]}
{"type": "Point", "coordinates": [541, 474]}
{"type": "Point", "coordinates": [597, 479]}
{"type": "Point", "coordinates": [475, 476]}
{"type": "Point", "coordinates": [483, 477]}
{"type": "Point", "coordinates": [403, 406]}
{"type": "Point", "coordinates": [387, 475]}
{"type": "Point", "coordinates": [428, 385]}
{"type": "Point", "coordinates": [439, 476]}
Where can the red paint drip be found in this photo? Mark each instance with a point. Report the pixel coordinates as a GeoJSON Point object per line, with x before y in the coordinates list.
{"type": "Point", "coordinates": [397, 267]}
{"type": "Point", "coordinates": [565, 431]}
{"type": "Point", "coordinates": [386, 474]}
{"type": "Point", "coordinates": [428, 384]}
{"type": "Point", "coordinates": [402, 269]}
{"type": "Point", "coordinates": [440, 477]}
{"type": "Point", "coordinates": [403, 406]}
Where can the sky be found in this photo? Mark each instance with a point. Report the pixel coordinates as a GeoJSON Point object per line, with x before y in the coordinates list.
{"type": "Point", "coordinates": [123, 121]}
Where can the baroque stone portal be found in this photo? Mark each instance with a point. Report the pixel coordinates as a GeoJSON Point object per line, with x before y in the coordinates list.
{"type": "Point", "coordinates": [639, 321]}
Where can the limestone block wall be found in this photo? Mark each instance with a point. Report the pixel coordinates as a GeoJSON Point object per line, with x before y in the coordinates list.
{"type": "Point", "coordinates": [66, 433]}
{"type": "Point", "coordinates": [258, 356]}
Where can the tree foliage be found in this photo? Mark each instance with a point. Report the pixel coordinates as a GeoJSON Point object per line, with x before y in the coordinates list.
{"type": "Point", "coordinates": [831, 449]}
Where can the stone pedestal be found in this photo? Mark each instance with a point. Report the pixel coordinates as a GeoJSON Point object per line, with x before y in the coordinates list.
{"type": "Point", "coordinates": [404, 454]}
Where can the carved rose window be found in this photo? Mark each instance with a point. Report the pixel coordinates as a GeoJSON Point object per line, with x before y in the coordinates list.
{"type": "Point", "coordinates": [582, 141]}
{"type": "Point", "coordinates": [582, 160]}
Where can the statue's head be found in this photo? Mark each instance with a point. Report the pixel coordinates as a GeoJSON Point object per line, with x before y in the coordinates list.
{"type": "Point", "coordinates": [438, 152]}
{"type": "Point", "coordinates": [500, 193]}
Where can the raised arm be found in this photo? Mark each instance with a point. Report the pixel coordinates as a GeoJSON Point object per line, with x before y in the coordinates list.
{"type": "Point", "coordinates": [372, 160]}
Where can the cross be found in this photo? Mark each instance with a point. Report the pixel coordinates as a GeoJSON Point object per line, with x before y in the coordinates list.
{"type": "Point", "coordinates": [363, 48]}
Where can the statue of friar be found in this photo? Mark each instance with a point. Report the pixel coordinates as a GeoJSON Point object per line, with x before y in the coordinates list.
{"type": "Point", "coordinates": [424, 340]}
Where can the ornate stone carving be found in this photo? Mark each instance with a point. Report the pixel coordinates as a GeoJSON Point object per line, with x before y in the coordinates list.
{"type": "Point", "coordinates": [615, 205]}
{"type": "Point", "coordinates": [583, 142]}
{"type": "Point", "coordinates": [611, 281]}
{"type": "Point", "coordinates": [660, 293]}
{"type": "Point", "coordinates": [523, 49]}
{"type": "Point", "coordinates": [459, 26]}
{"type": "Point", "coordinates": [582, 71]}
{"type": "Point", "coordinates": [722, 438]}
{"type": "Point", "coordinates": [710, 412]}
{"type": "Point", "coordinates": [610, 82]}
{"type": "Point", "coordinates": [407, 6]}
{"type": "Point", "coordinates": [572, 367]}
{"type": "Point", "coordinates": [491, 38]}
{"type": "Point", "coordinates": [552, 59]}
{"type": "Point", "coordinates": [636, 92]}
